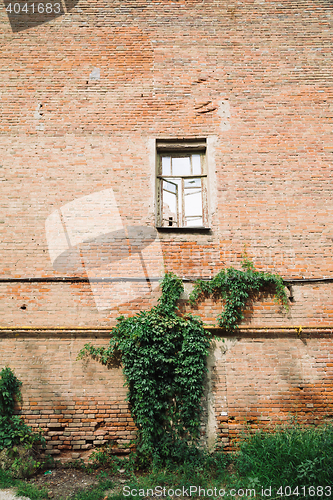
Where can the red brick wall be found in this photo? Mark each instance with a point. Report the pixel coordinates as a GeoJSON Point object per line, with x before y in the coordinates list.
{"type": "Point", "coordinates": [268, 380]}
{"type": "Point", "coordinates": [252, 78]}
{"type": "Point", "coordinates": [78, 404]}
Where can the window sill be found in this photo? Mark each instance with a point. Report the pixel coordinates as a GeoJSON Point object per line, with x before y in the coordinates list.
{"type": "Point", "coordinates": [189, 229]}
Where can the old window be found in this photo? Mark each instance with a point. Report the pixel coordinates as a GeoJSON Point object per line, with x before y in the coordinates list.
{"type": "Point", "coordinates": [182, 183]}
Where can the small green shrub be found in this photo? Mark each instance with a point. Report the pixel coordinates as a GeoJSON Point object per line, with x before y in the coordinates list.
{"type": "Point", "coordinates": [9, 392]}
{"type": "Point", "coordinates": [19, 444]}
{"type": "Point", "coordinates": [104, 458]}
{"type": "Point", "coordinates": [13, 430]}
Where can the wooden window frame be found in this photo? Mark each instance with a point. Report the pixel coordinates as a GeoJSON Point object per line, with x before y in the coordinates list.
{"type": "Point", "coordinates": [181, 148]}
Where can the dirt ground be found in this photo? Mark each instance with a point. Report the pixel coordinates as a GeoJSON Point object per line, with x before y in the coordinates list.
{"type": "Point", "coordinates": [62, 483]}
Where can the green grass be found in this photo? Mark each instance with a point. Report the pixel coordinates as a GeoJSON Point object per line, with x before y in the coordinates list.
{"type": "Point", "coordinates": [97, 493]}
{"type": "Point", "coordinates": [290, 456]}
{"type": "Point", "coordinates": [31, 491]}
{"type": "Point", "coordinates": [34, 493]}
{"type": "Point", "coordinates": [6, 481]}
{"type": "Point", "coordinates": [200, 469]}
{"type": "Point", "coordinates": [23, 488]}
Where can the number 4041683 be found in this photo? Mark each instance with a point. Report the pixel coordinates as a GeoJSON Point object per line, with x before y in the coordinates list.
{"type": "Point", "coordinates": [312, 491]}
{"type": "Point", "coordinates": [34, 8]}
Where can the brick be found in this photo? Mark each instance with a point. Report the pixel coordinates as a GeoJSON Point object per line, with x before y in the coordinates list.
{"type": "Point", "coordinates": [92, 125]}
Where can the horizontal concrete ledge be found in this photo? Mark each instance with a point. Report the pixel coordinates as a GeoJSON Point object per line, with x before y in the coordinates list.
{"type": "Point", "coordinates": [295, 331]}
{"type": "Point", "coordinates": [108, 279]}
{"type": "Point", "coordinates": [206, 327]}
{"type": "Point", "coordinates": [52, 328]}
{"type": "Point", "coordinates": [273, 331]}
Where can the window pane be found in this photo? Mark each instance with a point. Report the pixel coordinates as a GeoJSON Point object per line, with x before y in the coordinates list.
{"type": "Point", "coordinates": [169, 186]}
{"type": "Point", "coordinates": [193, 202]}
{"type": "Point", "coordinates": [169, 211]}
{"type": "Point", "coordinates": [181, 165]}
{"type": "Point", "coordinates": [193, 221]}
{"type": "Point", "coordinates": [166, 165]}
{"type": "Point", "coordinates": [196, 164]}
{"type": "Point", "coordinates": [188, 183]}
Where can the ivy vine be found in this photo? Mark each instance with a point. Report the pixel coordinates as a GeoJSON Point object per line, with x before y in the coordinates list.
{"type": "Point", "coordinates": [10, 392]}
{"type": "Point", "coordinates": [13, 430]}
{"type": "Point", "coordinates": [164, 363]}
{"type": "Point", "coordinates": [164, 357]}
{"type": "Point", "coordinates": [235, 288]}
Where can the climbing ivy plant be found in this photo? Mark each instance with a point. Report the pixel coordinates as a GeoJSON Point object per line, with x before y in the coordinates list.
{"type": "Point", "coordinates": [164, 363]}
{"type": "Point", "coordinates": [235, 288]}
{"type": "Point", "coordinates": [10, 392]}
{"type": "Point", "coordinates": [13, 430]}
{"type": "Point", "coordinates": [164, 357]}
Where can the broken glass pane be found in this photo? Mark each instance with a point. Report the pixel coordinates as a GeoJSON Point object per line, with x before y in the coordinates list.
{"type": "Point", "coordinates": [170, 202]}
{"type": "Point", "coordinates": [188, 183]}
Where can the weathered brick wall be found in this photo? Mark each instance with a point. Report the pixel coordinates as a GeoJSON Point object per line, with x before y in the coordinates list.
{"type": "Point", "coordinates": [257, 378]}
{"type": "Point", "coordinates": [255, 80]}
{"type": "Point", "coordinates": [78, 404]}
{"type": "Point", "coordinates": [264, 380]}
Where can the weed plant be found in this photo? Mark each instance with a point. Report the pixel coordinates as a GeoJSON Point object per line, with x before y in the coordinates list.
{"type": "Point", "coordinates": [96, 493]}
{"type": "Point", "coordinates": [36, 493]}
{"type": "Point", "coordinates": [23, 488]}
{"type": "Point", "coordinates": [6, 480]}
{"type": "Point", "coordinates": [292, 455]}
{"type": "Point", "coordinates": [105, 459]}
{"type": "Point", "coordinates": [31, 491]}
{"type": "Point", "coordinates": [198, 469]}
